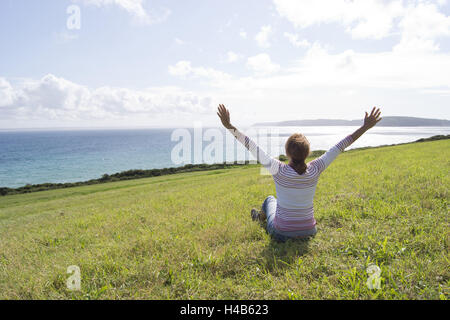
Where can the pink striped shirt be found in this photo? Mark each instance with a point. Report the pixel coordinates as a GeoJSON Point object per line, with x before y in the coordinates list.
{"type": "Point", "coordinates": [295, 192]}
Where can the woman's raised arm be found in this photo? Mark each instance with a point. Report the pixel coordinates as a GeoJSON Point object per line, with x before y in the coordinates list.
{"type": "Point", "coordinates": [266, 160]}
{"type": "Point", "coordinates": [325, 160]}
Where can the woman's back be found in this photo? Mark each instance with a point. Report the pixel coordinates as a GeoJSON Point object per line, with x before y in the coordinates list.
{"type": "Point", "coordinates": [295, 192]}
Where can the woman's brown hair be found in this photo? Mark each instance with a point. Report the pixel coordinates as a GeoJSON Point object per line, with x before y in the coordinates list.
{"type": "Point", "coordinates": [297, 149]}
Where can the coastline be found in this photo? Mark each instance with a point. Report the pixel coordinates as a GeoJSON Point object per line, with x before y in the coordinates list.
{"type": "Point", "coordinates": [140, 173]}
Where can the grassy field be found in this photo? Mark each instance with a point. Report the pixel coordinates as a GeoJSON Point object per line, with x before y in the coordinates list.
{"type": "Point", "coordinates": [190, 236]}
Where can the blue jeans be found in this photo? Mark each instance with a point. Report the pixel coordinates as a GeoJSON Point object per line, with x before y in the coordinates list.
{"type": "Point", "coordinates": [270, 207]}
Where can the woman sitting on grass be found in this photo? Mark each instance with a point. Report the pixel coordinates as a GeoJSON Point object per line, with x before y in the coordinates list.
{"type": "Point", "coordinates": [292, 215]}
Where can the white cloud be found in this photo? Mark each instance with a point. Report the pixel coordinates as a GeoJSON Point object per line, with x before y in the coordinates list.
{"type": "Point", "coordinates": [262, 37]}
{"type": "Point", "coordinates": [420, 26]}
{"type": "Point", "coordinates": [294, 40]}
{"type": "Point", "coordinates": [134, 8]}
{"type": "Point", "coordinates": [318, 68]}
{"type": "Point", "coordinates": [179, 42]}
{"type": "Point", "coordinates": [418, 22]}
{"type": "Point", "coordinates": [243, 34]}
{"type": "Point", "coordinates": [7, 95]}
{"type": "Point", "coordinates": [389, 70]}
{"type": "Point", "coordinates": [233, 57]}
{"type": "Point", "coordinates": [363, 19]}
{"type": "Point", "coordinates": [181, 68]}
{"type": "Point", "coordinates": [262, 64]}
{"type": "Point", "coordinates": [184, 68]}
{"type": "Point", "coordinates": [56, 98]}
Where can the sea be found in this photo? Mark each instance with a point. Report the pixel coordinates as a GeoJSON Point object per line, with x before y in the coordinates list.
{"type": "Point", "coordinates": [57, 156]}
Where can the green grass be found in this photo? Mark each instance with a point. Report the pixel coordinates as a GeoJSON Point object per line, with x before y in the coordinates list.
{"type": "Point", "coordinates": [190, 236]}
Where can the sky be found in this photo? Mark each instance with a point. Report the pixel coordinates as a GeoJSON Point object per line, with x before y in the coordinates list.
{"type": "Point", "coordinates": [143, 63]}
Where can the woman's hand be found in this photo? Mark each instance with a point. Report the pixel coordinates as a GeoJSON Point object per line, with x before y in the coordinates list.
{"type": "Point", "coordinates": [369, 122]}
{"type": "Point", "coordinates": [373, 119]}
{"type": "Point", "coordinates": [224, 116]}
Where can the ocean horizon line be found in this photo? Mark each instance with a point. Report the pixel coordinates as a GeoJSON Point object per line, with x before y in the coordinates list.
{"type": "Point", "coordinates": [136, 173]}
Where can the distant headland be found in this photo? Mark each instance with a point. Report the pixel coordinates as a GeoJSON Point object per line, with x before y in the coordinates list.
{"type": "Point", "coordinates": [392, 121]}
